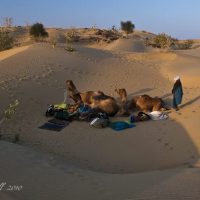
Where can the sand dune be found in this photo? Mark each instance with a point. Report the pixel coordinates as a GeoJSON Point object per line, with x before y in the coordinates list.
{"type": "Point", "coordinates": [130, 45]}
{"type": "Point", "coordinates": [186, 65]}
{"type": "Point", "coordinates": [100, 164]}
{"type": "Point", "coordinates": [9, 53]}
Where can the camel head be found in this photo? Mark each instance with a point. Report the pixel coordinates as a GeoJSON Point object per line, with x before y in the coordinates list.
{"type": "Point", "coordinates": [122, 94]}
{"type": "Point", "coordinates": [70, 86]}
{"type": "Point", "coordinates": [73, 92]}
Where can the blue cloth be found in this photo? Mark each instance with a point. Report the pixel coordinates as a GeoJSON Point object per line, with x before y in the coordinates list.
{"type": "Point", "coordinates": [85, 108]}
{"type": "Point", "coordinates": [177, 96]}
{"type": "Point", "coordinates": [120, 125]}
{"type": "Point", "coordinates": [54, 126]}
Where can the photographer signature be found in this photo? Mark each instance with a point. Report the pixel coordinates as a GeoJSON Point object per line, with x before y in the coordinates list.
{"type": "Point", "coordinates": [8, 187]}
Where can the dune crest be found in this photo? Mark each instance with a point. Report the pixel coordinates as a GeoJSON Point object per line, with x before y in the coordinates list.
{"type": "Point", "coordinates": [11, 52]}
{"type": "Point", "coordinates": [129, 45]}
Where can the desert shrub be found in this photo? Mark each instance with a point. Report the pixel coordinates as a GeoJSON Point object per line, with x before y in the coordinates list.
{"type": "Point", "coordinates": [6, 42]}
{"type": "Point", "coordinates": [189, 43]}
{"type": "Point", "coordinates": [53, 41]}
{"type": "Point", "coordinates": [144, 31]}
{"type": "Point", "coordinates": [114, 28]}
{"type": "Point", "coordinates": [69, 48]}
{"type": "Point", "coordinates": [98, 32]}
{"type": "Point", "coordinates": [147, 41]}
{"type": "Point", "coordinates": [38, 31]}
{"type": "Point", "coordinates": [107, 35]}
{"type": "Point", "coordinates": [162, 41]}
{"type": "Point", "coordinates": [72, 36]}
{"type": "Point", "coordinates": [184, 45]}
{"type": "Point", "coordinates": [10, 111]}
{"type": "Point", "coordinates": [127, 27]}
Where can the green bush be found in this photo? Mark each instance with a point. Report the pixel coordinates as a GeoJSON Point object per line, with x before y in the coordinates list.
{"type": "Point", "coordinates": [6, 42]}
{"type": "Point", "coordinates": [37, 31]}
{"type": "Point", "coordinates": [162, 41]}
{"type": "Point", "coordinates": [127, 27]}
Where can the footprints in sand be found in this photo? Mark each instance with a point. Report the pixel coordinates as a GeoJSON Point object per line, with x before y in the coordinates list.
{"type": "Point", "coordinates": [82, 73]}
{"type": "Point", "coordinates": [11, 84]}
{"type": "Point", "coordinates": [89, 59]}
{"type": "Point", "coordinates": [165, 143]}
{"type": "Point", "coordinates": [47, 71]}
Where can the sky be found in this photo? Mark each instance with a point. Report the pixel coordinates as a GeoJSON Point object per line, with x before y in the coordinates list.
{"type": "Point", "coordinates": [178, 18]}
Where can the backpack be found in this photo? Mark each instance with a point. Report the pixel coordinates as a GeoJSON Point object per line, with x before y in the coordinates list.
{"type": "Point", "coordinates": [141, 116]}
{"type": "Point", "coordinates": [59, 111]}
{"type": "Point", "coordinates": [99, 123]}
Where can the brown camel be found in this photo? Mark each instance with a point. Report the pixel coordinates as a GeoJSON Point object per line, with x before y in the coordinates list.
{"type": "Point", "coordinates": [127, 106]}
{"type": "Point", "coordinates": [146, 103]}
{"type": "Point", "coordinates": [97, 100]}
{"type": "Point", "coordinates": [143, 103]}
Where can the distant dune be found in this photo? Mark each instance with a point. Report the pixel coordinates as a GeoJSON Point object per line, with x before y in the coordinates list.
{"type": "Point", "coordinates": [130, 45]}
{"type": "Point", "coordinates": [185, 64]}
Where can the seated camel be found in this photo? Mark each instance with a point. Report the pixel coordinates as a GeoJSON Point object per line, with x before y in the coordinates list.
{"type": "Point", "coordinates": [126, 105]}
{"type": "Point", "coordinates": [96, 100]}
{"type": "Point", "coordinates": [143, 103]}
{"type": "Point", "coordinates": [146, 103]}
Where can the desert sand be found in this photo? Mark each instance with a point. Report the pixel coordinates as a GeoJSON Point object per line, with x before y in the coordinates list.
{"type": "Point", "coordinates": [154, 160]}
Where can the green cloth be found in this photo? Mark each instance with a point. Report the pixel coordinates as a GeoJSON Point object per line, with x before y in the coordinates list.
{"type": "Point", "coordinates": [61, 106]}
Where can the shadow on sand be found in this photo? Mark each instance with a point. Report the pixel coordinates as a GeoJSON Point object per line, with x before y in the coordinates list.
{"type": "Point", "coordinates": [166, 95]}
{"type": "Point", "coordinates": [190, 102]}
{"type": "Point", "coordinates": [142, 91]}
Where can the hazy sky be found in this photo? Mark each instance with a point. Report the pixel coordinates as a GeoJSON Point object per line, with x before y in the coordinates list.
{"type": "Point", "coordinates": [179, 18]}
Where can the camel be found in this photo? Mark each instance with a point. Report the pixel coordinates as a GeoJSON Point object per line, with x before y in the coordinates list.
{"type": "Point", "coordinates": [89, 96]}
{"type": "Point", "coordinates": [146, 103]}
{"type": "Point", "coordinates": [73, 93]}
{"type": "Point", "coordinates": [96, 100]}
{"type": "Point", "coordinates": [143, 103]}
{"type": "Point", "coordinates": [127, 106]}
